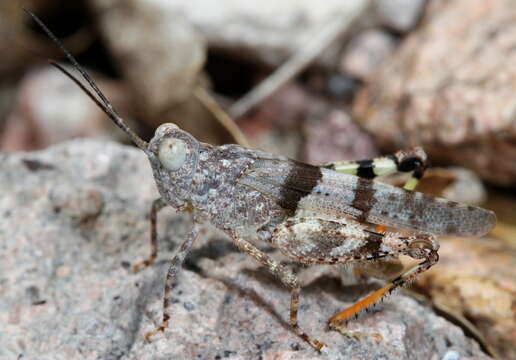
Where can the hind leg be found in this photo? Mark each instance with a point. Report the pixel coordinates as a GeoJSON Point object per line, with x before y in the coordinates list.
{"type": "Point", "coordinates": [339, 320]}
{"type": "Point", "coordinates": [313, 240]}
{"type": "Point", "coordinates": [413, 161]}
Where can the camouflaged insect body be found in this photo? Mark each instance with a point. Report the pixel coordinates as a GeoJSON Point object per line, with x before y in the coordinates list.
{"type": "Point", "coordinates": [312, 214]}
{"type": "Point", "coordinates": [246, 191]}
{"type": "Point", "coordinates": [328, 214]}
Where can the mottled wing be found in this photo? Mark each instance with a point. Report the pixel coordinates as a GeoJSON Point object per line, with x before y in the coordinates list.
{"type": "Point", "coordinates": [286, 181]}
{"type": "Point", "coordinates": [315, 190]}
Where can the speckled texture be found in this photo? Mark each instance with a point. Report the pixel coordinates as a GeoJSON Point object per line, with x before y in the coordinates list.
{"type": "Point", "coordinates": [73, 216]}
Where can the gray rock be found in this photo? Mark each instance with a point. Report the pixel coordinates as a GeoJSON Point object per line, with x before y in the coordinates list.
{"type": "Point", "coordinates": [73, 216]}
{"type": "Point", "coordinates": [400, 15]}
{"type": "Point", "coordinates": [158, 50]}
{"type": "Point", "coordinates": [270, 32]}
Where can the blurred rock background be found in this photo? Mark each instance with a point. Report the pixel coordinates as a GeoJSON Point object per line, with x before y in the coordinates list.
{"type": "Point", "coordinates": [316, 81]}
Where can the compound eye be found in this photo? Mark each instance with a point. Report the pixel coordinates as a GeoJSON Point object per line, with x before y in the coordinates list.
{"type": "Point", "coordinates": [172, 153]}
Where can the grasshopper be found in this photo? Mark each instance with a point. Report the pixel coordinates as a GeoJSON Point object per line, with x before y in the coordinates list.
{"type": "Point", "coordinates": [329, 214]}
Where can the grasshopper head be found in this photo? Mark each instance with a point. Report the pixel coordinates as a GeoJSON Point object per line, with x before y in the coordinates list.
{"type": "Point", "coordinates": [172, 147]}
{"type": "Point", "coordinates": [174, 155]}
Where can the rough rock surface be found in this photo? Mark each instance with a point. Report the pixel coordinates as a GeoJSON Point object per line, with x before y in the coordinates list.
{"type": "Point", "coordinates": [451, 89]}
{"type": "Point", "coordinates": [477, 280]}
{"type": "Point", "coordinates": [73, 216]}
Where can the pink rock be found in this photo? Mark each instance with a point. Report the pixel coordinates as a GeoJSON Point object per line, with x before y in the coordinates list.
{"type": "Point", "coordinates": [335, 137]}
{"type": "Point", "coordinates": [49, 108]}
{"type": "Point", "coordinates": [366, 52]}
{"type": "Point", "coordinates": [451, 89]}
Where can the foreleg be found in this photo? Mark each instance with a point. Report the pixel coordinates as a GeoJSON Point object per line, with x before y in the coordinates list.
{"type": "Point", "coordinates": [175, 267]}
{"type": "Point", "coordinates": [157, 205]}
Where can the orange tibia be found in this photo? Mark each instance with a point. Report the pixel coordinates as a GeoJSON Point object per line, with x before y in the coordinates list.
{"type": "Point", "coordinates": [360, 305]}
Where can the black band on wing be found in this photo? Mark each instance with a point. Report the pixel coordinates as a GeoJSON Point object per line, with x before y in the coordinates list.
{"type": "Point", "coordinates": [300, 182]}
{"type": "Point", "coordinates": [365, 169]}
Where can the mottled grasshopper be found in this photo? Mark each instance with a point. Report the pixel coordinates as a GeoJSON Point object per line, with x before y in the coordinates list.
{"type": "Point", "coordinates": [330, 214]}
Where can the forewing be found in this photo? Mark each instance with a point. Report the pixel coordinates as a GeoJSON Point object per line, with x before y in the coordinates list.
{"type": "Point", "coordinates": [318, 191]}
{"type": "Point", "coordinates": [285, 181]}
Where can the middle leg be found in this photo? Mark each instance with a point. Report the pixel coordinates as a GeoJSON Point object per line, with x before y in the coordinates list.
{"type": "Point", "coordinates": [288, 279]}
{"type": "Point", "coordinates": [313, 240]}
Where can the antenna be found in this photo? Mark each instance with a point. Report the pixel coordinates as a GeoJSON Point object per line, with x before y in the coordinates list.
{"type": "Point", "coordinates": [103, 103]}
